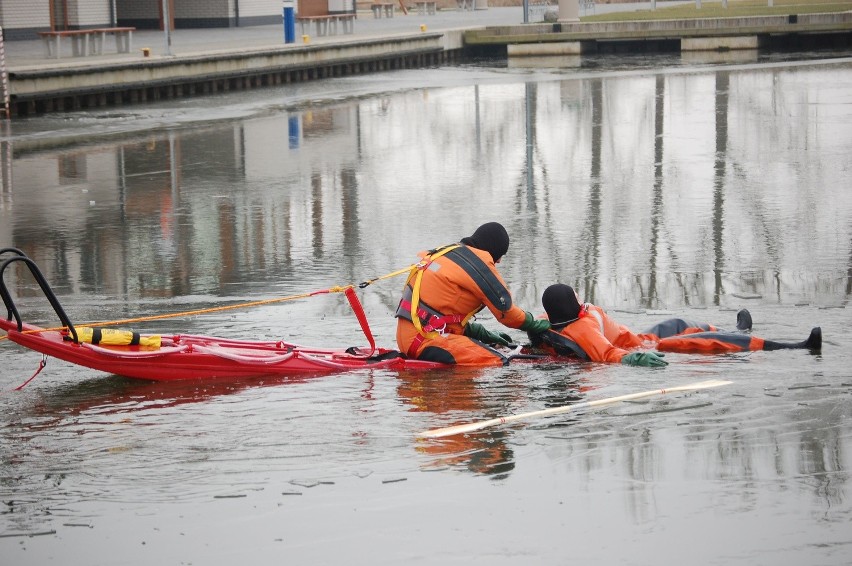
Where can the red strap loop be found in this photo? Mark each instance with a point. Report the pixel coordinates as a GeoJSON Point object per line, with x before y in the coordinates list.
{"type": "Point", "coordinates": [41, 365]}
{"type": "Point", "coordinates": [361, 316]}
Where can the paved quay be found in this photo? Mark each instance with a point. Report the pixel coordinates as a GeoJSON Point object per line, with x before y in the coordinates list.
{"type": "Point", "coordinates": [31, 54]}
{"type": "Point", "coordinates": [187, 62]}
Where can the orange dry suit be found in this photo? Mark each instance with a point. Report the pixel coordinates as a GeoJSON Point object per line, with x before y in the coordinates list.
{"type": "Point", "coordinates": [442, 293]}
{"type": "Point", "coordinates": [596, 337]}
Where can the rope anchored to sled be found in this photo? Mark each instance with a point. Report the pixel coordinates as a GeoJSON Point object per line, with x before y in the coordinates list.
{"type": "Point", "coordinates": [197, 311]}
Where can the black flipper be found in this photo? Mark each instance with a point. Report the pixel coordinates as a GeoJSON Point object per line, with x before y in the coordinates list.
{"type": "Point", "coordinates": [744, 320]}
{"type": "Point", "coordinates": [813, 343]}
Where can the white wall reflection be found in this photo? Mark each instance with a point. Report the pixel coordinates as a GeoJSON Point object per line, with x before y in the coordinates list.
{"type": "Point", "coordinates": [656, 189]}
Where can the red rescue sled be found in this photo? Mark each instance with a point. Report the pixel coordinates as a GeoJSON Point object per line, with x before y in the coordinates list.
{"type": "Point", "coordinates": [184, 356]}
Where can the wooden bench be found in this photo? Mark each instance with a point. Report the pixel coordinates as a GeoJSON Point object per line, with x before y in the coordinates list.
{"type": "Point", "coordinates": [87, 41]}
{"type": "Point", "coordinates": [327, 25]}
{"type": "Point", "coordinates": [427, 7]}
{"type": "Point", "coordinates": [380, 8]}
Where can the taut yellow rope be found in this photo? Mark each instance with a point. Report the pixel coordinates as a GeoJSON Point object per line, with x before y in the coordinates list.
{"type": "Point", "coordinates": [337, 289]}
{"type": "Point", "coordinates": [195, 312]}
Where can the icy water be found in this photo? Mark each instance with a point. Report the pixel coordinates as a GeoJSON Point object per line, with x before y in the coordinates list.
{"type": "Point", "coordinates": [656, 186]}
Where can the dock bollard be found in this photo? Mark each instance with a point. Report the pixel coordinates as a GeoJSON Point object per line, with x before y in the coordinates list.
{"type": "Point", "coordinates": [146, 51]}
{"type": "Point", "coordinates": [422, 27]}
{"type": "Point", "coordinates": [306, 39]}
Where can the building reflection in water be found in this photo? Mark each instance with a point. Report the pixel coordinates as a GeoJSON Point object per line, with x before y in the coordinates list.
{"type": "Point", "coordinates": [657, 190]}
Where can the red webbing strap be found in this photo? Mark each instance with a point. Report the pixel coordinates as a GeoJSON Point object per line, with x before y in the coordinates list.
{"type": "Point", "coordinates": [361, 316]}
{"type": "Point", "coordinates": [41, 365]}
{"type": "Point", "coordinates": [433, 321]}
{"type": "Point", "coordinates": [415, 345]}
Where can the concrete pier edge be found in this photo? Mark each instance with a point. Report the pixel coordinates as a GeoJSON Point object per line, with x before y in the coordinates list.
{"type": "Point", "coordinates": [62, 85]}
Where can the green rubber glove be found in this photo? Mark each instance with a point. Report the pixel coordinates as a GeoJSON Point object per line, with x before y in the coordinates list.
{"type": "Point", "coordinates": [479, 332]}
{"type": "Point", "coordinates": [645, 359]}
{"type": "Point", "coordinates": [535, 325]}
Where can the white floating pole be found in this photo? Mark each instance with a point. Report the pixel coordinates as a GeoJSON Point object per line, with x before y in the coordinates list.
{"type": "Point", "coordinates": [470, 427]}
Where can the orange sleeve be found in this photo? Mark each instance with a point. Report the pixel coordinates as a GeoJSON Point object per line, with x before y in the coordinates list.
{"type": "Point", "coordinates": [515, 316]}
{"type": "Point", "coordinates": [586, 332]}
{"type": "Point", "coordinates": [626, 339]}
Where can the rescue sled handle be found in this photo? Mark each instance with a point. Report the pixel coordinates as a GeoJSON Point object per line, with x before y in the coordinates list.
{"type": "Point", "coordinates": [17, 252]}
{"type": "Point", "coordinates": [11, 310]}
{"type": "Point", "coordinates": [470, 427]}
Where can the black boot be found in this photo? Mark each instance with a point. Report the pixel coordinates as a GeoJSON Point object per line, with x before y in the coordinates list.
{"type": "Point", "coordinates": [744, 320]}
{"type": "Point", "coordinates": [813, 343]}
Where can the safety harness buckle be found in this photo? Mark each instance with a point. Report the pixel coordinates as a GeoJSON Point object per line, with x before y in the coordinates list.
{"type": "Point", "coordinates": [442, 330]}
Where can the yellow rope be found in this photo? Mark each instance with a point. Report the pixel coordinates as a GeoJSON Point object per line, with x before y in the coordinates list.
{"type": "Point", "coordinates": [388, 276]}
{"type": "Point", "coordinates": [337, 289]}
{"type": "Point", "coordinates": [193, 313]}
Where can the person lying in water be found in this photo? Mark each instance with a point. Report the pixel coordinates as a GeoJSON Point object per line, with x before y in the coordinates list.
{"type": "Point", "coordinates": [586, 331]}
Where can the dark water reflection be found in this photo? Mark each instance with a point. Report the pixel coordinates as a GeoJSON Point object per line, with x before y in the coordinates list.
{"type": "Point", "coordinates": [694, 188]}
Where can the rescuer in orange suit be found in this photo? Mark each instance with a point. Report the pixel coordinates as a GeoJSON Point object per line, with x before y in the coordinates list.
{"type": "Point", "coordinates": [446, 289]}
{"type": "Point", "coordinates": [586, 331]}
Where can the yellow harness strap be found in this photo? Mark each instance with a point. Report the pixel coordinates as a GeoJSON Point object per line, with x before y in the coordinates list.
{"type": "Point", "coordinates": [417, 275]}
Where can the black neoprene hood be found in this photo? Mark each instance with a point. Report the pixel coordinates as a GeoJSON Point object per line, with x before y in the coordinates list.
{"type": "Point", "coordinates": [560, 303]}
{"type": "Point", "coordinates": [491, 237]}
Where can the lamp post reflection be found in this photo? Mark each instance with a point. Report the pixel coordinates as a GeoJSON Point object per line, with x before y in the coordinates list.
{"type": "Point", "coordinates": [721, 106]}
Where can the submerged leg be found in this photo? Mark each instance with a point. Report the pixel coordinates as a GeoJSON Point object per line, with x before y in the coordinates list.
{"type": "Point", "coordinates": [675, 327]}
{"type": "Point", "coordinates": [680, 326]}
{"type": "Point", "coordinates": [813, 343]}
{"type": "Point", "coordinates": [721, 342]}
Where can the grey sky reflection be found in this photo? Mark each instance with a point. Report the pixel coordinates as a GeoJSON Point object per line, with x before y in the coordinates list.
{"type": "Point", "coordinates": [654, 190]}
